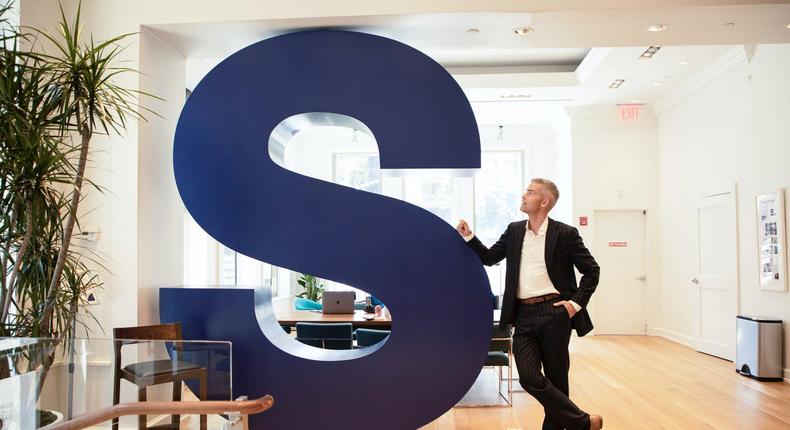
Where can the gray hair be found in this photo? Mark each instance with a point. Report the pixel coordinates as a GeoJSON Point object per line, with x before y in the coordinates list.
{"type": "Point", "coordinates": [550, 187]}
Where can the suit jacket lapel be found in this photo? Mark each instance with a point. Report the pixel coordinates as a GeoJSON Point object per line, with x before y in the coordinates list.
{"type": "Point", "coordinates": [552, 233]}
{"type": "Point", "coordinates": [518, 244]}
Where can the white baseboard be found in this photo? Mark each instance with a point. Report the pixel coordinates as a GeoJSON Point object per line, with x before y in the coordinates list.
{"type": "Point", "coordinates": [674, 336]}
{"type": "Point", "coordinates": [689, 341]}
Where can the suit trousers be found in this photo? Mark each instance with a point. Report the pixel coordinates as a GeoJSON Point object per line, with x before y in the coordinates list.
{"type": "Point", "coordinates": [541, 337]}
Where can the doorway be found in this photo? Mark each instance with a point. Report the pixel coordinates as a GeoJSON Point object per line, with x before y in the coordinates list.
{"type": "Point", "coordinates": [716, 234]}
{"type": "Point", "coordinates": [620, 304]}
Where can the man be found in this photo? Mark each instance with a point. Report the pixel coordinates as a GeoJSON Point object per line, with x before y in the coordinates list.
{"type": "Point", "coordinates": [542, 300]}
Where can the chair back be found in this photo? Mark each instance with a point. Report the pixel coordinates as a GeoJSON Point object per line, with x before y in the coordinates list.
{"type": "Point", "coordinates": [130, 335]}
{"type": "Point", "coordinates": [500, 339]}
{"type": "Point", "coordinates": [327, 336]}
{"type": "Point", "coordinates": [368, 337]}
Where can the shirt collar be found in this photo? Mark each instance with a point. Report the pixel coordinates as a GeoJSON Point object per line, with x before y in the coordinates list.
{"type": "Point", "coordinates": [543, 227]}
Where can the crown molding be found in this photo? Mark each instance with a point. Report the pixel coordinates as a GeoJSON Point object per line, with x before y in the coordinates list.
{"type": "Point", "coordinates": [607, 118]}
{"type": "Point", "coordinates": [733, 57]}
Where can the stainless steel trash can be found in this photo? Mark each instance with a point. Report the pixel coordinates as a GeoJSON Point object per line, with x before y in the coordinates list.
{"type": "Point", "coordinates": [758, 350]}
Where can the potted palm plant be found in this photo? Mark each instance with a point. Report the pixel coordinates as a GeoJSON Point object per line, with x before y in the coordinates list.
{"type": "Point", "coordinates": [312, 287]}
{"type": "Point", "coordinates": [51, 106]}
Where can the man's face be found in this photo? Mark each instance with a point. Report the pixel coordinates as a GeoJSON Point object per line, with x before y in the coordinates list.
{"type": "Point", "coordinates": [533, 199]}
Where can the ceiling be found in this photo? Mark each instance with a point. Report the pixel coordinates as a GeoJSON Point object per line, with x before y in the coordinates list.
{"type": "Point", "coordinates": [570, 58]}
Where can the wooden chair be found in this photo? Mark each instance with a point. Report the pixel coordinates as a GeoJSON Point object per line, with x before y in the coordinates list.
{"type": "Point", "coordinates": [147, 373]}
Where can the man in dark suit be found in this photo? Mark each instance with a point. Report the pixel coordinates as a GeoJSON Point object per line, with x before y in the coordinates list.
{"type": "Point", "coordinates": [542, 300]}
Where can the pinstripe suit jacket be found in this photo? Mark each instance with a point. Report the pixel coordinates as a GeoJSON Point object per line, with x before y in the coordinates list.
{"type": "Point", "coordinates": [564, 250]}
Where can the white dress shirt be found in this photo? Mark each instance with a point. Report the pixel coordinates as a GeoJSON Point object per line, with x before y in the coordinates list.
{"type": "Point", "coordinates": [533, 277]}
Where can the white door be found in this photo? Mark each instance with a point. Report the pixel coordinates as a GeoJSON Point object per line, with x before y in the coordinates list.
{"type": "Point", "coordinates": [620, 302]}
{"type": "Point", "coordinates": [716, 276]}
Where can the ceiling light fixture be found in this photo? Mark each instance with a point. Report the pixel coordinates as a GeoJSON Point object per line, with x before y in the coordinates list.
{"type": "Point", "coordinates": [685, 63]}
{"type": "Point", "coordinates": [787, 27]}
{"type": "Point", "coordinates": [473, 30]}
{"type": "Point", "coordinates": [728, 25]}
{"type": "Point", "coordinates": [523, 31]}
{"type": "Point", "coordinates": [616, 84]}
{"type": "Point", "coordinates": [656, 84]}
{"type": "Point", "coordinates": [655, 28]}
{"type": "Point", "coordinates": [649, 52]}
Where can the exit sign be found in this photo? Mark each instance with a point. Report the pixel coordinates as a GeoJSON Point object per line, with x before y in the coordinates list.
{"type": "Point", "coordinates": [629, 112]}
{"type": "Point", "coordinates": [618, 244]}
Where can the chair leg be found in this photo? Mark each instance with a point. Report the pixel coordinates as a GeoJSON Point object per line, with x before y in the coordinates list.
{"type": "Point", "coordinates": [510, 376]}
{"type": "Point", "coordinates": [176, 419]}
{"type": "Point", "coordinates": [203, 397]}
{"type": "Point", "coordinates": [116, 397]}
{"type": "Point", "coordinates": [141, 395]}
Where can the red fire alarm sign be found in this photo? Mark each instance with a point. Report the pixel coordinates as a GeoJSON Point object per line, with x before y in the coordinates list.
{"type": "Point", "coordinates": [582, 221]}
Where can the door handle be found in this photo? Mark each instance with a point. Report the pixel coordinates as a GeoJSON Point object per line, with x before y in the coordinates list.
{"type": "Point", "coordinates": [641, 278]}
{"type": "Point", "coordinates": [695, 280]}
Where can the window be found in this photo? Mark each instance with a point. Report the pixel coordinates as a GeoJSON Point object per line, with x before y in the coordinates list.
{"type": "Point", "coordinates": [358, 171]}
{"type": "Point", "coordinates": [207, 262]}
{"type": "Point", "coordinates": [435, 194]}
{"type": "Point", "coordinates": [227, 266]}
{"type": "Point", "coordinates": [498, 190]}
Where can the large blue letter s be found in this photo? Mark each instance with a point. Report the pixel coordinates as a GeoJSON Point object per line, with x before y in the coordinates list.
{"type": "Point", "coordinates": [418, 265]}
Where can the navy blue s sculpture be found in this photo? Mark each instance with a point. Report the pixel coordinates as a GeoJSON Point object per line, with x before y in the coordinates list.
{"type": "Point", "coordinates": [414, 262]}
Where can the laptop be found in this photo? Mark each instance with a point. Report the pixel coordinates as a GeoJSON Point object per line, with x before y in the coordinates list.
{"type": "Point", "coordinates": [338, 302]}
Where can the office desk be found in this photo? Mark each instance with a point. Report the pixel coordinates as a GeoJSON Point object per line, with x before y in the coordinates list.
{"type": "Point", "coordinates": [291, 317]}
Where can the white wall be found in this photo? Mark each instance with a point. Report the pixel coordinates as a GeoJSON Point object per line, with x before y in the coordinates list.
{"type": "Point", "coordinates": [730, 126]}
{"type": "Point", "coordinates": [614, 167]}
{"type": "Point", "coordinates": [160, 220]}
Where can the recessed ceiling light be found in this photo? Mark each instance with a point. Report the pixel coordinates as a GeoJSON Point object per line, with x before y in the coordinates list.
{"type": "Point", "coordinates": [685, 63]}
{"type": "Point", "coordinates": [634, 101]}
{"type": "Point", "coordinates": [649, 52]}
{"type": "Point", "coordinates": [655, 28]}
{"type": "Point", "coordinates": [787, 27]}
{"type": "Point", "coordinates": [616, 84]}
{"type": "Point", "coordinates": [656, 84]}
{"type": "Point", "coordinates": [728, 25]}
{"type": "Point", "coordinates": [523, 31]}
{"type": "Point", "coordinates": [473, 30]}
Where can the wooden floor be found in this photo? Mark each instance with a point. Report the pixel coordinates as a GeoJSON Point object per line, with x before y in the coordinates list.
{"type": "Point", "coordinates": [644, 382]}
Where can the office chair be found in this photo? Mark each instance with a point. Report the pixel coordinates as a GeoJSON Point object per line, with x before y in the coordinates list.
{"type": "Point", "coordinates": [368, 337]}
{"type": "Point", "coordinates": [500, 352]}
{"type": "Point", "coordinates": [327, 336]}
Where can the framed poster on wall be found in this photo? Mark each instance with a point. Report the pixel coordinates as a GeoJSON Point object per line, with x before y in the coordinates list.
{"type": "Point", "coordinates": [771, 240]}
